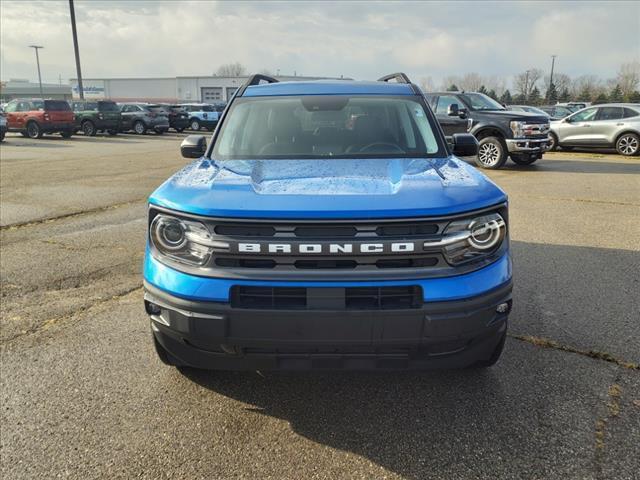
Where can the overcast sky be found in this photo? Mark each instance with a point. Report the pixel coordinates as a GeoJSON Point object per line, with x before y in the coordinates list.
{"type": "Point", "coordinates": [354, 39]}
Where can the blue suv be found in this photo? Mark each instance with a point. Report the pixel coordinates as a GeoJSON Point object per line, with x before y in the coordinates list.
{"type": "Point", "coordinates": [328, 225]}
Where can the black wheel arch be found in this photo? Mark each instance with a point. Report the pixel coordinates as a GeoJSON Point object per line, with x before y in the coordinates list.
{"type": "Point", "coordinates": [488, 131]}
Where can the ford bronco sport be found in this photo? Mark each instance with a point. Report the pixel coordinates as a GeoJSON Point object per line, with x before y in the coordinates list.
{"type": "Point", "coordinates": [328, 225]}
{"type": "Point", "coordinates": [95, 116]}
{"type": "Point", "coordinates": [35, 117]}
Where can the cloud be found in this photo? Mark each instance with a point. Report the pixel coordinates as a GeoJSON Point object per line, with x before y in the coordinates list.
{"type": "Point", "coordinates": [355, 39]}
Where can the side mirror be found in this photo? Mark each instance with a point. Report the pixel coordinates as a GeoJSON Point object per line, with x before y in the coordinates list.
{"type": "Point", "coordinates": [453, 110]}
{"type": "Point", "coordinates": [464, 145]}
{"type": "Point", "coordinates": [194, 146]}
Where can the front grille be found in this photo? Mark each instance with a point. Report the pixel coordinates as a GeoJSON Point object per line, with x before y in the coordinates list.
{"type": "Point", "coordinates": [328, 250]}
{"type": "Point", "coordinates": [349, 298]}
{"type": "Point", "coordinates": [352, 233]}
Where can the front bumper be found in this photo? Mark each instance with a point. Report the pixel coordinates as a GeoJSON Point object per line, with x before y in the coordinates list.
{"type": "Point", "coordinates": [526, 145]}
{"type": "Point", "coordinates": [452, 334]}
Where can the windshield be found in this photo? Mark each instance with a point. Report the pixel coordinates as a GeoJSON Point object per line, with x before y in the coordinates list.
{"type": "Point", "coordinates": [480, 101]}
{"type": "Point", "coordinates": [320, 126]}
{"type": "Point", "coordinates": [108, 107]}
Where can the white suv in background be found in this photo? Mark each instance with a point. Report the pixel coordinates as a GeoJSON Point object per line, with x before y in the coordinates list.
{"type": "Point", "coordinates": [608, 125]}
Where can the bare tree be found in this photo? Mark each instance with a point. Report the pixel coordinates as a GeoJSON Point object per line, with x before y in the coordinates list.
{"type": "Point", "coordinates": [427, 85]}
{"type": "Point", "coordinates": [629, 77]}
{"type": "Point", "coordinates": [585, 85]}
{"type": "Point", "coordinates": [471, 82]}
{"type": "Point", "coordinates": [495, 83]}
{"type": "Point", "coordinates": [525, 81]}
{"type": "Point", "coordinates": [231, 70]}
{"type": "Point", "coordinates": [560, 80]}
{"type": "Point", "coordinates": [448, 81]}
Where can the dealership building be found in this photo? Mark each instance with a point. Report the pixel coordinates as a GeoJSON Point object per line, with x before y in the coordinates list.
{"type": "Point", "coordinates": [212, 89]}
{"type": "Point", "coordinates": [19, 88]}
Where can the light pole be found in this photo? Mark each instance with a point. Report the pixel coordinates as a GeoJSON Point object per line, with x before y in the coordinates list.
{"type": "Point", "coordinates": [72, 11]}
{"type": "Point", "coordinates": [36, 47]}
{"type": "Point", "coordinates": [553, 63]}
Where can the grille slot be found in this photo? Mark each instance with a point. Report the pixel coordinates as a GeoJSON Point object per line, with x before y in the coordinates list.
{"type": "Point", "coordinates": [418, 262]}
{"type": "Point", "coordinates": [353, 298]}
{"type": "Point", "coordinates": [245, 262]}
{"type": "Point", "coordinates": [410, 230]}
{"type": "Point", "coordinates": [247, 230]}
{"type": "Point", "coordinates": [323, 264]}
{"type": "Point", "coordinates": [320, 231]}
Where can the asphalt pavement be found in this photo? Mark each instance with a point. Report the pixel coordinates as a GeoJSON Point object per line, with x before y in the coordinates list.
{"type": "Point", "coordinates": [83, 395]}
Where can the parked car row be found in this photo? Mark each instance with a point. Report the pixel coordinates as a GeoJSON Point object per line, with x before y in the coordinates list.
{"type": "Point", "coordinates": [35, 117]}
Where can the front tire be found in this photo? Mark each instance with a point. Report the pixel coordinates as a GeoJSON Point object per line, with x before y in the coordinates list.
{"type": "Point", "coordinates": [34, 130]}
{"type": "Point", "coordinates": [524, 159]}
{"type": "Point", "coordinates": [179, 130]}
{"type": "Point", "coordinates": [195, 125]}
{"type": "Point", "coordinates": [552, 146]}
{"type": "Point", "coordinates": [139, 127]}
{"type": "Point", "coordinates": [159, 132]}
{"type": "Point", "coordinates": [628, 144]}
{"type": "Point", "coordinates": [492, 153]}
{"type": "Point", "coordinates": [89, 129]}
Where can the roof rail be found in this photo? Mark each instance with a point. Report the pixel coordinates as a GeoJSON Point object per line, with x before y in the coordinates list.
{"type": "Point", "coordinates": [398, 77]}
{"type": "Point", "coordinates": [255, 80]}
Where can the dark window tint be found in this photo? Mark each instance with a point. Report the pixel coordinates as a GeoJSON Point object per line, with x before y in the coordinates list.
{"type": "Point", "coordinates": [108, 107]}
{"type": "Point", "coordinates": [629, 113]}
{"type": "Point", "coordinates": [609, 113]}
{"type": "Point", "coordinates": [155, 109]}
{"type": "Point", "coordinates": [445, 100]}
{"type": "Point", "coordinates": [57, 106]}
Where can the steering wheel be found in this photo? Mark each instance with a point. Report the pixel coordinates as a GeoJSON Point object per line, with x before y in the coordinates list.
{"type": "Point", "coordinates": [376, 145]}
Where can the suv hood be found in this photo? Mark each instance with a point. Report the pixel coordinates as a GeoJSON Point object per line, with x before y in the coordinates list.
{"type": "Point", "coordinates": [371, 188]}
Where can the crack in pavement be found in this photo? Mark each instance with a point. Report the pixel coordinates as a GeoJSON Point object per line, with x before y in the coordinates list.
{"type": "Point", "coordinates": [614, 393]}
{"type": "Point", "coordinates": [41, 221]}
{"type": "Point", "coordinates": [595, 354]}
{"type": "Point", "coordinates": [56, 320]}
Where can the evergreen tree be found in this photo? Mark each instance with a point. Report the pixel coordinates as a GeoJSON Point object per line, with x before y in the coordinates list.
{"type": "Point", "coordinates": [519, 99]}
{"type": "Point", "coordinates": [482, 89]}
{"type": "Point", "coordinates": [585, 94]}
{"type": "Point", "coordinates": [616, 94]}
{"type": "Point", "coordinates": [453, 88]}
{"type": "Point", "coordinates": [506, 98]}
{"type": "Point", "coordinates": [552, 94]}
{"type": "Point", "coordinates": [534, 96]}
{"type": "Point", "coordinates": [634, 97]}
{"type": "Point", "coordinates": [564, 95]}
{"type": "Point", "coordinates": [492, 93]}
{"type": "Point", "coordinates": [601, 98]}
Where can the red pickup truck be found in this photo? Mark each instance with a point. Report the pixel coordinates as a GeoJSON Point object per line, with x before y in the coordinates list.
{"type": "Point", "coordinates": [35, 117]}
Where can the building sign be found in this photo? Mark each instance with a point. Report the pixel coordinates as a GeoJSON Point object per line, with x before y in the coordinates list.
{"type": "Point", "coordinates": [92, 89]}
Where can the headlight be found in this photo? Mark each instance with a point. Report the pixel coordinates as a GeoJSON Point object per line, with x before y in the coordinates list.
{"type": "Point", "coordinates": [182, 240]}
{"type": "Point", "coordinates": [471, 238]}
{"type": "Point", "coordinates": [517, 128]}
